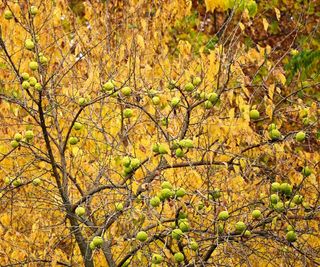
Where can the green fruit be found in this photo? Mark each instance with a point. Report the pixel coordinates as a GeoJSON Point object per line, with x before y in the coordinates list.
{"type": "Point", "coordinates": [178, 257]}
{"type": "Point", "coordinates": [126, 91]}
{"type": "Point", "coordinates": [7, 180]}
{"type": "Point", "coordinates": [38, 86]}
{"type": "Point", "coordinates": [29, 135]}
{"type": "Point", "coordinates": [17, 137]}
{"type": "Point", "coordinates": [33, 65]}
{"type": "Point", "coordinates": [186, 143]}
{"type": "Point", "coordinates": [176, 234]}
{"type": "Point", "coordinates": [181, 192]}
{"type": "Point", "coordinates": [14, 144]}
{"type": "Point", "coordinates": [157, 258]}
{"type": "Point", "coordinates": [128, 170]}
{"type": "Point", "coordinates": [172, 85]}
{"type": "Point", "coordinates": [208, 104]}
{"type": "Point", "coordinates": [29, 44]}
{"type": "Point", "coordinates": [156, 100]}
{"type": "Point", "coordinates": [80, 211]}
{"type": "Point", "coordinates": [36, 181]}
{"type": "Point", "coordinates": [127, 113]}
{"type": "Point", "coordinates": [142, 236]}
{"type": "Point", "coordinates": [77, 126]}
{"type": "Point", "coordinates": [175, 101]}
{"type": "Point", "coordinates": [223, 215]}
{"type": "Point", "coordinates": [166, 184]}
{"type": "Point", "coordinates": [291, 236]}
{"type": "Point", "coordinates": [275, 134]}
{"type": "Point", "coordinates": [108, 86]}
{"type": "Point", "coordinates": [25, 85]}
{"type": "Point", "coordinates": [162, 149]}
{"type": "Point", "coordinates": [73, 140]}
{"type": "Point", "coordinates": [179, 153]}
{"type": "Point", "coordinates": [240, 227]}
{"type": "Point", "coordinates": [256, 214]}
{"type": "Point", "coordinates": [184, 226]}
{"type": "Point", "coordinates": [119, 206]}
{"type": "Point", "coordinates": [17, 182]}
{"type": "Point", "coordinates": [135, 163]}
{"type": "Point", "coordinates": [126, 161]}
{"type": "Point", "coordinates": [189, 87]}
{"type": "Point", "coordinates": [92, 246]}
{"type": "Point", "coordinates": [43, 60]}
{"type": "Point", "coordinates": [33, 10]}
{"type": "Point", "coordinates": [212, 97]}
{"type": "Point", "coordinates": [279, 207]}
{"type": "Point", "coordinates": [97, 241]}
{"type": "Point", "coordinates": [289, 204]}
{"type": "Point", "coordinates": [275, 187]}
{"type": "Point", "coordinates": [254, 114]}
{"type": "Point", "coordinates": [182, 215]}
{"type": "Point", "coordinates": [155, 148]}
{"type": "Point", "coordinates": [200, 205]}
{"type": "Point", "coordinates": [216, 193]}
{"type": "Point", "coordinates": [274, 198]}
{"type": "Point", "coordinates": [306, 121]}
{"type": "Point", "coordinates": [166, 193]}
{"type": "Point", "coordinates": [82, 101]}
{"type": "Point", "coordinates": [155, 202]}
{"type": "Point", "coordinates": [286, 189]}
{"type": "Point", "coordinates": [306, 171]}
{"type": "Point", "coordinates": [32, 81]}
{"type": "Point", "coordinates": [8, 14]}
{"type": "Point", "coordinates": [25, 76]}
{"type": "Point", "coordinates": [196, 81]}
{"type": "Point", "coordinates": [297, 199]}
{"type": "Point", "coordinates": [247, 233]}
{"type": "Point", "coordinates": [289, 228]}
{"type": "Point", "coordinates": [194, 245]}
{"type": "Point", "coordinates": [300, 136]}
{"type": "Point", "coordinates": [271, 127]}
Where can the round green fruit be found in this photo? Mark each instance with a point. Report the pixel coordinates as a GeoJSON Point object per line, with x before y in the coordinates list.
{"type": "Point", "coordinates": [73, 140]}
{"type": "Point", "coordinates": [186, 143]}
{"type": "Point", "coordinates": [119, 206]}
{"type": "Point", "coordinates": [223, 215]}
{"type": "Point", "coordinates": [176, 234]}
{"type": "Point", "coordinates": [286, 189]}
{"type": "Point", "coordinates": [291, 236]}
{"type": "Point", "coordinates": [216, 193]}
{"type": "Point", "coordinates": [162, 149]}
{"type": "Point", "coordinates": [80, 211]}
{"type": "Point", "coordinates": [97, 241]}
{"type": "Point", "coordinates": [82, 101]}
{"type": "Point", "coordinates": [212, 97]}
{"type": "Point", "coordinates": [127, 113]}
{"type": "Point", "coordinates": [126, 91]}
{"type": "Point", "coordinates": [8, 14]}
{"type": "Point", "coordinates": [108, 86]}
{"type": "Point", "coordinates": [306, 171]}
{"type": "Point", "coordinates": [32, 81]}
{"type": "Point", "coordinates": [189, 87]}
{"type": "Point", "coordinates": [300, 136]}
{"type": "Point", "coordinates": [135, 163]}
{"type": "Point", "coordinates": [181, 192]}
{"type": "Point", "coordinates": [156, 100]}
{"type": "Point", "coordinates": [7, 180]}
{"type": "Point", "coordinates": [184, 226]}
{"type": "Point", "coordinates": [38, 86]}
{"type": "Point", "coordinates": [166, 193]}
{"type": "Point", "coordinates": [297, 199]}
{"type": "Point", "coordinates": [33, 65]}
{"type": "Point", "coordinates": [29, 135]}
{"type": "Point", "coordinates": [240, 227]}
{"type": "Point", "coordinates": [33, 10]}
{"type": "Point", "coordinates": [14, 144]}
{"type": "Point", "coordinates": [43, 60]}
{"type": "Point", "coordinates": [156, 258]}
{"type": "Point", "coordinates": [25, 76]}
{"type": "Point", "coordinates": [92, 246]}
{"type": "Point", "coordinates": [179, 153]}
{"type": "Point", "coordinates": [36, 181]}
{"type": "Point", "coordinates": [126, 161]}
{"type": "Point", "coordinates": [172, 85]}
{"type": "Point", "coordinates": [155, 202]}
{"type": "Point", "coordinates": [279, 207]}
{"type": "Point", "coordinates": [17, 137]}
{"type": "Point", "coordinates": [175, 101]}
{"type": "Point", "coordinates": [275, 134]}
{"type": "Point", "coordinates": [25, 85]}
{"type": "Point", "coordinates": [155, 148]}
{"type": "Point", "coordinates": [196, 81]}
{"type": "Point", "coordinates": [166, 184]}
{"type": "Point", "coordinates": [289, 228]}
{"type": "Point", "coordinates": [208, 104]}
{"type": "Point", "coordinates": [274, 198]}
{"type": "Point", "coordinates": [271, 127]}
{"type": "Point", "coordinates": [254, 114]}
{"type": "Point", "coordinates": [247, 233]}
{"type": "Point", "coordinates": [275, 187]}
{"type": "Point", "coordinates": [17, 182]}
{"type": "Point", "coordinates": [29, 44]}
{"type": "Point", "coordinates": [256, 214]}
{"type": "Point", "coordinates": [77, 126]}
{"type": "Point", "coordinates": [178, 257]}
{"type": "Point", "coordinates": [194, 245]}
{"type": "Point", "coordinates": [142, 236]}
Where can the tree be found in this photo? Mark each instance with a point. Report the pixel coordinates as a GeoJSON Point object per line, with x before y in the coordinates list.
{"type": "Point", "coordinates": [114, 125]}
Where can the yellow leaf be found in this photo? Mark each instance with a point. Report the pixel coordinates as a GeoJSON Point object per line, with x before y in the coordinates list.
{"type": "Point", "coordinates": [140, 42]}
{"type": "Point", "coordinates": [265, 24]}
{"type": "Point", "coordinates": [277, 11]}
{"type": "Point", "coordinates": [269, 111]}
{"type": "Point", "coordinates": [271, 91]}
{"type": "Point", "coordinates": [242, 27]}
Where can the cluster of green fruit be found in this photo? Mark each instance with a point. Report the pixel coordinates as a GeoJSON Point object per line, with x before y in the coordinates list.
{"type": "Point", "coordinates": [155, 98]}
{"type": "Point", "coordinates": [130, 164]}
{"type": "Point", "coordinates": [28, 82]}
{"type": "Point", "coordinates": [167, 192]}
{"type": "Point", "coordinates": [283, 191]}
{"type": "Point", "coordinates": [96, 242]}
{"type": "Point", "coordinates": [28, 136]}
{"type": "Point", "coordinates": [33, 10]}
{"type": "Point", "coordinates": [274, 133]}
{"type": "Point", "coordinates": [291, 235]}
{"type": "Point", "coordinates": [18, 181]}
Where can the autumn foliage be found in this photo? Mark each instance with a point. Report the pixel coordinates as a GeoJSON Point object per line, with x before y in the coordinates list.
{"type": "Point", "coordinates": [159, 133]}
